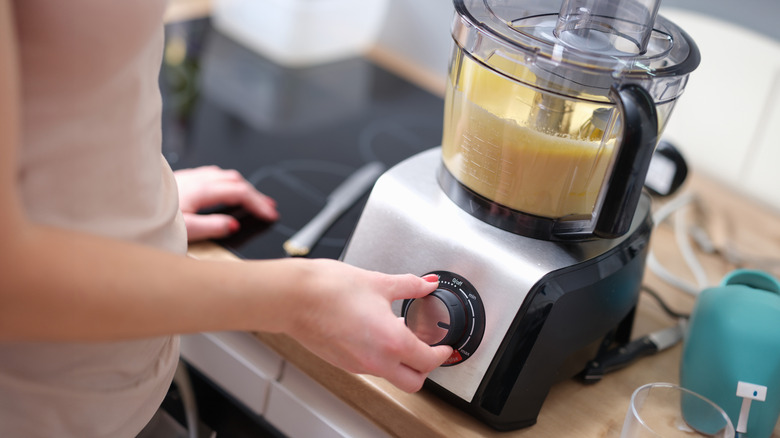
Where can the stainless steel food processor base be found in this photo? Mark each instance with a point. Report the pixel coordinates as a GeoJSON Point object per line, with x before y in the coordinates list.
{"type": "Point", "coordinates": [409, 225]}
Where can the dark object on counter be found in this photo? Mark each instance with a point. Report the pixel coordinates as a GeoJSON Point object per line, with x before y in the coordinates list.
{"type": "Point", "coordinates": [667, 171]}
{"type": "Point", "coordinates": [622, 356]}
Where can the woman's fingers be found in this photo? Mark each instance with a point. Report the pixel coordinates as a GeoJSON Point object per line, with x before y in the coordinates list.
{"type": "Point", "coordinates": [209, 226]}
{"type": "Point", "coordinates": [424, 358]}
{"type": "Point", "coordinates": [408, 286]}
{"type": "Point", "coordinates": [344, 315]}
{"type": "Point", "coordinates": [210, 186]}
{"type": "Point", "coordinates": [407, 379]}
{"type": "Point", "coordinates": [409, 376]}
{"type": "Point", "coordinates": [238, 193]}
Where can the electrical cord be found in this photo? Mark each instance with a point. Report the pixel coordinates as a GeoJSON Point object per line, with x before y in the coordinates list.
{"type": "Point", "coordinates": [182, 380]}
{"type": "Point", "coordinates": [669, 311]}
{"type": "Point", "coordinates": [611, 359]}
{"type": "Point", "coordinates": [686, 233]}
{"type": "Point", "coordinates": [686, 249]}
{"type": "Point", "coordinates": [676, 205]}
{"type": "Point", "coordinates": [730, 253]}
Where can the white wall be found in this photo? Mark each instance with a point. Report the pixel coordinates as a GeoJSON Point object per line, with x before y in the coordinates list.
{"type": "Point", "coordinates": [419, 30]}
{"type": "Point", "coordinates": [726, 121]}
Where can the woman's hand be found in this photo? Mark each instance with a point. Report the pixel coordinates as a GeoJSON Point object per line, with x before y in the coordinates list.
{"type": "Point", "coordinates": [346, 318]}
{"type": "Point", "coordinates": [210, 186]}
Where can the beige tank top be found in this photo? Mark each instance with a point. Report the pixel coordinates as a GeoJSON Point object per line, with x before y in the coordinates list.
{"type": "Point", "coordinates": [91, 161]}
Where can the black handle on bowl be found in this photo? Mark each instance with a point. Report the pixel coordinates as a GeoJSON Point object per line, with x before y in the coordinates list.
{"type": "Point", "coordinates": [640, 135]}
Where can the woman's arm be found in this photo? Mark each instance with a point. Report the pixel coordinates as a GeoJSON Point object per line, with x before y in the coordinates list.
{"type": "Point", "coordinates": [60, 285]}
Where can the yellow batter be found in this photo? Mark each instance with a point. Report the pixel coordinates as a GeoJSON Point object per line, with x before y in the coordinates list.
{"type": "Point", "coordinates": [502, 141]}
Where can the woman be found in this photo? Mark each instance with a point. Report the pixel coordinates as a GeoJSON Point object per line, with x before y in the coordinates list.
{"type": "Point", "coordinates": [93, 277]}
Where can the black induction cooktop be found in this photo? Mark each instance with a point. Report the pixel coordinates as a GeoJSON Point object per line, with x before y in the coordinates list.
{"type": "Point", "coordinates": [296, 133]}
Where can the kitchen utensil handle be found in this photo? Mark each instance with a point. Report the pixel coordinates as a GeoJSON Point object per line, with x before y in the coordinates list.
{"type": "Point", "coordinates": [302, 242]}
{"type": "Point", "coordinates": [639, 137]}
{"type": "Point", "coordinates": [339, 201]}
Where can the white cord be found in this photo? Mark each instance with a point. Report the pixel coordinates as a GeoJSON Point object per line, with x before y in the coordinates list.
{"type": "Point", "coordinates": [183, 383]}
{"type": "Point", "coordinates": [684, 243]}
{"type": "Point", "coordinates": [684, 233]}
{"type": "Point", "coordinates": [658, 269]}
{"type": "Point", "coordinates": [681, 237]}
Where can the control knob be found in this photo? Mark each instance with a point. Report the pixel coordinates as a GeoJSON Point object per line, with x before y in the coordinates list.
{"type": "Point", "coordinates": [451, 315]}
{"type": "Point", "coordinates": [438, 318]}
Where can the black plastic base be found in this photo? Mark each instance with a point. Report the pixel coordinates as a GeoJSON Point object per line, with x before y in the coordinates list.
{"type": "Point", "coordinates": [560, 327]}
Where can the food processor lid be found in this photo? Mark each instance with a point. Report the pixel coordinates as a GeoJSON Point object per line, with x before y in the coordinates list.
{"type": "Point", "coordinates": [625, 38]}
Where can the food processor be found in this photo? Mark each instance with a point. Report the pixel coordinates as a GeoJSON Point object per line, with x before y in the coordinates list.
{"type": "Point", "coordinates": [532, 212]}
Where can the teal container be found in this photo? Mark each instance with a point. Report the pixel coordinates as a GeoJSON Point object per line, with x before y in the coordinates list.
{"type": "Point", "coordinates": [734, 336]}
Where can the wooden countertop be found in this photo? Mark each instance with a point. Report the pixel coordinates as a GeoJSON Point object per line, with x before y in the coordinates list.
{"type": "Point", "coordinates": [179, 10]}
{"type": "Point", "coordinates": [571, 408]}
